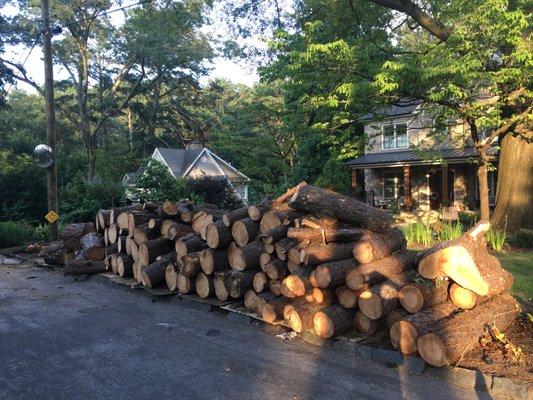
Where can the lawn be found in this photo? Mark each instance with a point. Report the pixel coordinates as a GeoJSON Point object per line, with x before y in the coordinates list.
{"type": "Point", "coordinates": [520, 264]}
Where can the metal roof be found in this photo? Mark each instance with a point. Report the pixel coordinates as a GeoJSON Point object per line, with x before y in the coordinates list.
{"type": "Point", "coordinates": [412, 157]}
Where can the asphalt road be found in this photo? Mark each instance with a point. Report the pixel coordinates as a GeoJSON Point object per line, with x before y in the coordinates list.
{"type": "Point", "coordinates": [62, 339]}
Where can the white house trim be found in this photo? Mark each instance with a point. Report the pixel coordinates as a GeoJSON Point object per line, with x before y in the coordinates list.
{"type": "Point", "coordinates": [162, 161]}
{"type": "Point", "coordinates": [224, 174]}
{"type": "Point", "coordinates": [193, 163]}
{"type": "Point", "coordinates": [228, 165]}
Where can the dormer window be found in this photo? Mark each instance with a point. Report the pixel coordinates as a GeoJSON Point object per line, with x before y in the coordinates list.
{"type": "Point", "coordinates": [395, 136]}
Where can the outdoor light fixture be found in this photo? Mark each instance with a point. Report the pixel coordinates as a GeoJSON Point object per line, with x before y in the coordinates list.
{"type": "Point", "coordinates": [43, 156]}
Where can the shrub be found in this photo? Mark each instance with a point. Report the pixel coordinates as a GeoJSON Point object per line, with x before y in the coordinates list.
{"type": "Point", "coordinates": [450, 230]}
{"type": "Point", "coordinates": [214, 190]}
{"type": "Point", "coordinates": [155, 183]}
{"type": "Point", "coordinates": [14, 233]}
{"type": "Point", "coordinates": [523, 238]}
{"type": "Point", "coordinates": [418, 233]}
{"type": "Point", "coordinates": [469, 218]}
{"type": "Point", "coordinates": [496, 239]}
{"type": "Point", "coordinates": [334, 176]}
{"type": "Point", "coordinates": [40, 233]}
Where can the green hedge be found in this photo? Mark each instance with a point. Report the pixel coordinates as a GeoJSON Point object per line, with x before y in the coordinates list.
{"type": "Point", "coordinates": [14, 233]}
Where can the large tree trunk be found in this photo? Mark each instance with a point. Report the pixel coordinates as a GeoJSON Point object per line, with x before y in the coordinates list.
{"type": "Point", "coordinates": [515, 185]}
{"type": "Point", "coordinates": [451, 338]}
{"type": "Point", "coordinates": [92, 247]}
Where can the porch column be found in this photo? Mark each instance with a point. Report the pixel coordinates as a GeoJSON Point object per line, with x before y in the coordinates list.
{"type": "Point", "coordinates": [408, 199]}
{"type": "Point", "coordinates": [354, 180]}
{"type": "Point", "coordinates": [445, 194]}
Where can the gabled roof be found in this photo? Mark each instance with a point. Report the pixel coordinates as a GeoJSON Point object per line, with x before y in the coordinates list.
{"type": "Point", "coordinates": [412, 157]}
{"type": "Point", "coordinates": [181, 162]}
{"type": "Point", "coordinates": [404, 107]}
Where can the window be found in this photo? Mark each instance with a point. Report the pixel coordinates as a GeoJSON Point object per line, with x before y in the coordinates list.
{"type": "Point", "coordinates": [395, 136]}
{"type": "Point", "coordinates": [393, 185]}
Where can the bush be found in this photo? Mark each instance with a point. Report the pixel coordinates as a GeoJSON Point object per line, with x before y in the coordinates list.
{"type": "Point", "coordinates": [450, 230]}
{"type": "Point", "coordinates": [418, 233]}
{"type": "Point", "coordinates": [496, 239]}
{"type": "Point", "coordinates": [214, 190]}
{"type": "Point", "coordinates": [469, 218]}
{"type": "Point", "coordinates": [523, 238]}
{"type": "Point", "coordinates": [41, 233]}
{"type": "Point", "coordinates": [155, 183]}
{"type": "Point", "coordinates": [14, 233]}
{"type": "Point", "coordinates": [334, 176]}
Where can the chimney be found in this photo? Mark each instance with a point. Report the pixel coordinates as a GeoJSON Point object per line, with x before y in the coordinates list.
{"type": "Point", "coordinates": [192, 144]}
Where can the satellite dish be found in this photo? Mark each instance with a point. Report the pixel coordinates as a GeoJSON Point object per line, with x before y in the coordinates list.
{"type": "Point", "coordinates": [43, 156]}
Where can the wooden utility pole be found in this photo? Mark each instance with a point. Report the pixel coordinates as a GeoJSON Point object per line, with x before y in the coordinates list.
{"type": "Point", "coordinates": [51, 137]}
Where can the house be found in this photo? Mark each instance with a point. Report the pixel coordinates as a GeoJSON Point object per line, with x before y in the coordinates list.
{"type": "Point", "coordinates": [197, 162]}
{"type": "Point", "coordinates": [405, 162]}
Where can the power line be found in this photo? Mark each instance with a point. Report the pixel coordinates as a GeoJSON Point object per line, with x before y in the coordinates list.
{"type": "Point", "coordinates": [26, 58]}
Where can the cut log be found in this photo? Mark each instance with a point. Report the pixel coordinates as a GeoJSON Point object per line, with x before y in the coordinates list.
{"type": "Point", "coordinates": [264, 259]}
{"type": "Point", "coordinates": [115, 212]}
{"type": "Point", "coordinates": [189, 244]}
{"type": "Point", "coordinates": [257, 211]}
{"type": "Point", "coordinates": [299, 283]}
{"type": "Point", "coordinates": [230, 217]}
{"type": "Point", "coordinates": [204, 286]}
{"type": "Point", "coordinates": [461, 297]}
{"type": "Point", "coordinates": [92, 246]}
{"type": "Point", "coordinates": [185, 284]}
{"type": "Point", "coordinates": [163, 230]}
{"type": "Point", "coordinates": [250, 300]}
{"type": "Point", "coordinates": [84, 267]}
{"type": "Point", "coordinates": [378, 271]}
{"type": "Point", "coordinates": [275, 287]}
{"type": "Point", "coordinates": [347, 297]}
{"type": "Point", "coordinates": [415, 297]}
{"type": "Point", "coordinates": [332, 274]}
{"type": "Point", "coordinates": [246, 257]}
{"type": "Point", "coordinates": [366, 325]}
{"type": "Point", "coordinates": [143, 233]}
{"type": "Point", "coordinates": [112, 249]}
{"type": "Point", "coordinates": [405, 332]}
{"type": "Point", "coordinates": [151, 249]}
{"type": "Point", "coordinates": [103, 218]}
{"type": "Point", "coordinates": [260, 282]}
{"type": "Point", "coordinates": [124, 265]}
{"type": "Point", "coordinates": [301, 316]}
{"type": "Point", "coordinates": [176, 230]}
{"type": "Point", "coordinates": [171, 277]}
{"type": "Point", "coordinates": [153, 275]}
{"type": "Point", "coordinates": [333, 321]}
{"type": "Point", "coordinates": [72, 233]}
{"type": "Point", "coordinates": [238, 282]}
{"type": "Point", "coordinates": [273, 310]}
{"type": "Point", "coordinates": [134, 250]}
{"type": "Point", "coordinates": [378, 300]}
{"type": "Point", "coordinates": [372, 247]}
{"type": "Point", "coordinates": [137, 218]}
{"type": "Point", "coordinates": [458, 259]}
{"type": "Point", "coordinates": [394, 316]}
{"type": "Point", "coordinates": [276, 269]}
{"type": "Point", "coordinates": [317, 254]}
{"type": "Point", "coordinates": [218, 236]}
{"type": "Point", "coordinates": [272, 219]}
{"type": "Point", "coordinates": [244, 231]}
{"type": "Point", "coordinates": [282, 247]}
{"type": "Point", "coordinates": [219, 282]}
{"type": "Point", "coordinates": [325, 235]}
{"type": "Point", "coordinates": [113, 232]}
{"type": "Point", "coordinates": [191, 265]}
{"type": "Point", "coordinates": [113, 263]}
{"type": "Point", "coordinates": [325, 297]}
{"type": "Point", "coordinates": [169, 208]}
{"type": "Point", "coordinates": [314, 200]}
{"type": "Point", "coordinates": [293, 267]}
{"type": "Point", "coordinates": [121, 244]}
{"type": "Point", "coordinates": [213, 260]}
{"type": "Point", "coordinates": [269, 248]}
{"type": "Point", "coordinates": [275, 234]}
{"type": "Point", "coordinates": [449, 339]}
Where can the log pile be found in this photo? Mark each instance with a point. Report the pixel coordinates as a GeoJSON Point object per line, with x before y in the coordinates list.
{"type": "Point", "coordinates": [317, 261]}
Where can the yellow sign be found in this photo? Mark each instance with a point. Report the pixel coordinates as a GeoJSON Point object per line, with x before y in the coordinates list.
{"type": "Point", "coordinates": [51, 217]}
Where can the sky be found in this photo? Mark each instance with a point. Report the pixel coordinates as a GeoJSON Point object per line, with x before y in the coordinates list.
{"type": "Point", "coordinates": [220, 67]}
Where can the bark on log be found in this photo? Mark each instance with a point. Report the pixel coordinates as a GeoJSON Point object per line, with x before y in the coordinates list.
{"type": "Point", "coordinates": [176, 230]}
{"type": "Point", "coordinates": [283, 246]}
{"type": "Point", "coordinates": [347, 297]}
{"type": "Point", "coordinates": [72, 233]}
{"type": "Point", "coordinates": [276, 269]}
{"type": "Point", "coordinates": [124, 265]}
{"type": "Point", "coordinates": [103, 218]}
{"type": "Point", "coordinates": [151, 249]}
{"type": "Point", "coordinates": [366, 325]}
{"type": "Point", "coordinates": [218, 236]}
{"type": "Point", "coordinates": [113, 249]}
{"type": "Point", "coordinates": [169, 209]}
{"type": "Point", "coordinates": [293, 267]}
{"type": "Point", "coordinates": [185, 284]}
{"type": "Point", "coordinates": [380, 270]}
{"type": "Point", "coordinates": [314, 200]}
{"type": "Point", "coordinates": [301, 316]}
{"type": "Point", "coordinates": [332, 274]}
{"type": "Point", "coordinates": [260, 282]}
{"type": "Point", "coordinates": [325, 235]}
{"type": "Point", "coordinates": [378, 300]}
{"type": "Point", "coordinates": [246, 257]}
{"type": "Point", "coordinates": [333, 321]}
{"type": "Point", "coordinates": [325, 297]}
{"type": "Point", "coordinates": [153, 275]}
{"type": "Point", "coordinates": [372, 247]}
{"type": "Point", "coordinates": [238, 282]}
{"type": "Point", "coordinates": [264, 259]}
{"type": "Point", "coordinates": [220, 285]}
{"type": "Point", "coordinates": [213, 260]}
{"type": "Point", "coordinates": [230, 217]}
{"type": "Point", "coordinates": [87, 268]}
{"type": "Point", "coordinates": [299, 283]}
{"type": "Point", "coordinates": [405, 332]}
{"type": "Point", "coordinates": [205, 287]}
{"type": "Point", "coordinates": [191, 265]}
{"type": "Point", "coordinates": [394, 316]}
{"type": "Point", "coordinates": [257, 211]}
{"type": "Point", "coordinates": [143, 233]}
{"type": "Point", "coordinates": [244, 231]}
{"type": "Point", "coordinates": [137, 218]}
{"type": "Point", "coordinates": [449, 339]}
{"type": "Point", "coordinates": [189, 244]}
{"type": "Point", "coordinates": [423, 294]}
{"type": "Point", "coordinates": [92, 246]}
{"type": "Point", "coordinates": [272, 219]}
{"type": "Point", "coordinates": [275, 234]}
{"type": "Point", "coordinates": [121, 244]}
{"type": "Point", "coordinates": [171, 277]}
{"type": "Point", "coordinates": [273, 310]}
{"type": "Point", "coordinates": [275, 288]}
{"type": "Point", "coordinates": [317, 254]}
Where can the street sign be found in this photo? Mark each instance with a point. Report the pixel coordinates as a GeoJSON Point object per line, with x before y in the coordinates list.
{"type": "Point", "coordinates": [51, 217]}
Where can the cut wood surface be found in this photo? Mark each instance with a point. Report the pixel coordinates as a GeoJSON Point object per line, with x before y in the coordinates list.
{"type": "Point", "coordinates": [246, 257]}
{"type": "Point", "coordinates": [394, 316]}
{"type": "Point", "coordinates": [92, 246]}
{"type": "Point", "coordinates": [333, 321]}
{"type": "Point", "coordinates": [301, 316]}
{"type": "Point", "coordinates": [124, 265]}
{"type": "Point", "coordinates": [190, 265]}
{"type": "Point", "coordinates": [244, 231]}
{"type": "Point", "coordinates": [276, 269]}
{"type": "Point", "coordinates": [176, 230]}
{"type": "Point", "coordinates": [213, 260]}
{"type": "Point", "coordinates": [171, 277]}
{"type": "Point", "coordinates": [142, 233]}
{"type": "Point", "coordinates": [189, 244]}
{"type": "Point", "coordinates": [153, 275]}
{"type": "Point", "coordinates": [231, 216]}
{"type": "Point", "coordinates": [283, 246]}
{"type": "Point", "coordinates": [332, 274]}
{"type": "Point", "coordinates": [185, 284]}
{"type": "Point", "coordinates": [218, 235]}
{"type": "Point", "coordinates": [273, 310]}
{"type": "Point", "coordinates": [378, 300]}
{"type": "Point", "coordinates": [450, 338]}
{"type": "Point", "coordinates": [324, 202]}
{"type": "Point", "coordinates": [72, 233]}
{"type": "Point", "coordinates": [275, 288]}
{"type": "Point", "coordinates": [366, 325]}
{"type": "Point", "coordinates": [426, 293]}
{"type": "Point", "coordinates": [219, 282]}
{"type": "Point", "coordinates": [299, 283]}
{"type": "Point", "coordinates": [405, 332]}
{"type": "Point", "coordinates": [238, 282]}
{"type": "Point", "coordinates": [260, 282]}
{"type": "Point", "coordinates": [348, 297]}
{"type": "Point", "coordinates": [373, 246]}
{"type": "Point", "coordinates": [205, 286]}
{"type": "Point", "coordinates": [461, 297]}
{"type": "Point", "coordinates": [325, 297]}
{"type": "Point", "coordinates": [381, 270]}
{"type": "Point", "coordinates": [151, 249]}
{"type": "Point", "coordinates": [84, 267]}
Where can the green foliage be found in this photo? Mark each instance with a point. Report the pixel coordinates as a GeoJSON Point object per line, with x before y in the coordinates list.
{"type": "Point", "coordinates": [418, 232]}
{"type": "Point", "coordinates": [496, 239]}
{"type": "Point", "coordinates": [14, 233]}
{"type": "Point", "coordinates": [155, 183]}
{"type": "Point", "coordinates": [215, 190]}
{"type": "Point", "coordinates": [519, 264]}
{"type": "Point", "coordinates": [449, 230]}
{"type": "Point", "coordinates": [469, 218]}
{"type": "Point", "coordinates": [523, 238]}
{"type": "Point", "coordinates": [41, 233]}
{"type": "Point", "coordinates": [335, 176]}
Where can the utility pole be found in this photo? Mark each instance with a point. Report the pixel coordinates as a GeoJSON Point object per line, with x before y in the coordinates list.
{"type": "Point", "coordinates": [51, 136]}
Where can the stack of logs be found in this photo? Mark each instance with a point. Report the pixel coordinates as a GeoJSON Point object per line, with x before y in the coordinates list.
{"type": "Point", "coordinates": [321, 262]}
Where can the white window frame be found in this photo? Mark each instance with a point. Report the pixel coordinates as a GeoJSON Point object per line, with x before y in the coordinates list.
{"type": "Point", "coordinates": [395, 141]}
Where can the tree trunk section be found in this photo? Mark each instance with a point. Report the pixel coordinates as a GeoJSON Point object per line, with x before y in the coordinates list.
{"type": "Point", "coordinates": [332, 274]}
{"type": "Point", "coordinates": [314, 255]}
{"type": "Point", "coordinates": [366, 325]}
{"type": "Point", "coordinates": [333, 321]}
{"type": "Point", "coordinates": [218, 236]}
{"type": "Point", "coordinates": [276, 269]}
{"type": "Point", "coordinates": [176, 230]}
{"type": "Point", "coordinates": [373, 247]}
{"type": "Point", "coordinates": [260, 282]}
{"type": "Point", "coordinates": [151, 249]}
{"type": "Point", "coordinates": [189, 244]}
{"type": "Point", "coordinates": [92, 247]}
{"type": "Point", "coordinates": [415, 297]}
{"type": "Point", "coordinates": [205, 286]}
{"type": "Point", "coordinates": [244, 231]}
{"type": "Point", "coordinates": [213, 260]}
{"type": "Point", "coordinates": [230, 217]}
{"type": "Point", "coordinates": [246, 257]}
{"type": "Point", "coordinates": [326, 235]}
{"type": "Point", "coordinates": [380, 299]}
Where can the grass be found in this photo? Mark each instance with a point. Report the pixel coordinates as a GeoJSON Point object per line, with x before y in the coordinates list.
{"type": "Point", "coordinates": [520, 264]}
